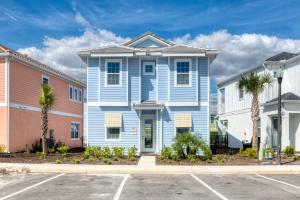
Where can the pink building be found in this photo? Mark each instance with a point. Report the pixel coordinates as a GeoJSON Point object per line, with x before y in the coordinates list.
{"type": "Point", "coordinates": [20, 117]}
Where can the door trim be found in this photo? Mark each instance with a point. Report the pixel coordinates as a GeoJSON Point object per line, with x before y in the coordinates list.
{"type": "Point", "coordinates": [153, 117]}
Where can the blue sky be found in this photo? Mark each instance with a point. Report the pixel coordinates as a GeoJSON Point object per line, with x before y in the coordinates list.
{"type": "Point", "coordinates": [263, 27]}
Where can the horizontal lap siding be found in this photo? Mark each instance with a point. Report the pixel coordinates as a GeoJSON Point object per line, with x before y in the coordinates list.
{"type": "Point", "coordinates": [182, 93]}
{"type": "Point", "coordinates": [162, 74]}
{"type": "Point", "coordinates": [130, 119]}
{"type": "Point", "coordinates": [133, 73]}
{"type": "Point", "coordinates": [118, 93]}
{"type": "Point", "coordinates": [2, 80]}
{"type": "Point", "coordinates": [93, 73]}
{"type": "Point", "coordinates": [199, 122]}
{"type": "Point", "coordinates": [148, 87]}
{"type": "Point", "coordinates": [203, 78]}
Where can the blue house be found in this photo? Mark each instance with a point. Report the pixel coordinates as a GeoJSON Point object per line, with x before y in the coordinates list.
{"type": "Point", "coordinates": [145, 91]}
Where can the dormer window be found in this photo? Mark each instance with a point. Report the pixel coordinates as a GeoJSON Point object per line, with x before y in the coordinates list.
{"type": "Point", "coordinates": [113, 72]}
{"type": "Point", "coordinates": [182, 73]}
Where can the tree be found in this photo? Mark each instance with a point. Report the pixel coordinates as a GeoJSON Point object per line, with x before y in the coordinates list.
{"type": "Point", "coordinates": [46, 101]}
{"type": "Point", "coordinates": [254, 84]}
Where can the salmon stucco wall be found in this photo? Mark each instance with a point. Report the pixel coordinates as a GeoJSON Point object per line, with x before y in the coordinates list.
{"type": "Point", "coordinates": [2, 80]}
{"type": "Point", "coordinates": [25, 83]}
{"type": "Point", "coordinates": [25, 129]}
{"type": "Point", "coordinates": [3, 126]}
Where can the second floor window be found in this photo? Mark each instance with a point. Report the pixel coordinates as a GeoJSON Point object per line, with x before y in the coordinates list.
{"type": "Point", "coordinates": [241, 93]}
{"type": "Point", "coordinates": [70, 92]}
{"type": "Point", "coordinates": [113, 73]}
{"type": "Point", "coordinates": [182, 73]}
{"type": "Point", "coordinates": [75, 94]}
{"type": "Point", "coordinates": [222, 92]}
{"type": "Point", "coordinates": [45, 80]}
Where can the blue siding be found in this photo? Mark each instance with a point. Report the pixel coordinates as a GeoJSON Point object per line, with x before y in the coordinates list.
{"type": "Point", "coordinates": [203, 78]}
{"type": "Point", "coordinates": [199, 122]}
{"type": "Point", "coordinates": [148, 43]}
{"type": "Point", "coordinates": [148, 85]}
{"type": "Point", "coordinates": [93, 79]}
{"type": "Point", "coordinates": [134, 80]}
{"type": "Point", "coordinates": [109, 94]}
{"type": "Point", "coordinates": [182, 93]}
{"type": "Point", "coordinates": [163, 80]}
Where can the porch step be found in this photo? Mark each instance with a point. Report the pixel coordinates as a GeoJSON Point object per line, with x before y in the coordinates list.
{"type": "Point", "coordinates": [147, 161]}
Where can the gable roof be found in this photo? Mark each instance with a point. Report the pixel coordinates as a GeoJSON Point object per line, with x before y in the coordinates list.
{"type": "Point", "coordinates": [146, 36]}
{"type": "Point", "coordinates": [282, 56]}
{"type": "Point", "coordinates": [5, 51]}
{"type": "Point", "coordinates": [286, 96]}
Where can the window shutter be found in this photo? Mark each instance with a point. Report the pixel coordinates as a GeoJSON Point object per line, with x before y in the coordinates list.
{"type": "Point", "coordinates": [183, 120]}
{"type": "Point", "coordinates": [113, 120]}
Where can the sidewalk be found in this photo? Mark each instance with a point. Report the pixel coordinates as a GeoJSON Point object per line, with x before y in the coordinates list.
{"type": "Point", "coordinates": [136, 169]}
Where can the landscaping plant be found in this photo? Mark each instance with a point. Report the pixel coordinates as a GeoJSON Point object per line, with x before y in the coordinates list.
{"type": "Point", "coordinates": [249, 152]}
{"type": "Point", "coordinates": [106, 152]}
{"type": "Point", "coordinates": [166, 153]}
{"type": "Point", "coordinates": [289, 151]}
{"type": "Point", "coordinates": [63, 150]}
{"type": "Point", "coordinates": [119, 152]}
{"type": "Point", "coordinates": [46, 101]}
{"type": "Point", "coordinates": [2, 148]}
{"type": "Point", "coordinates": [131, 153]}
{"type": "Point", "coordinates": [254, 84]}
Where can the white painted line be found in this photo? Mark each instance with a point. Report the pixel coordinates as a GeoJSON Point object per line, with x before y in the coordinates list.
{"type": "Point", "coordinates": [210, 188]}
{"type": "Point", "coordinates": [30, 187]}
{"type": "Point", "coordinates": [118, 194]}
{"type": "Point", "coordinates": [278, 181]}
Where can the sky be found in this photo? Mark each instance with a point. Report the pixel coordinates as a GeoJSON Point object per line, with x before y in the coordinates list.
{"type": "Point", "coordinates": [244, 32]}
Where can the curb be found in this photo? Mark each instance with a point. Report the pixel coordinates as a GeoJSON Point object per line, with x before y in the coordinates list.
{"type": "Point", "coordinates": [134, 169]}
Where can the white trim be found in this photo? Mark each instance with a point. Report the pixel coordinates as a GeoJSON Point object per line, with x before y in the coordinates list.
{"type": "Point", "coordinates": [120, 73]}
{"type": "Point", "coordinates": [149, 37]}
{"type": "Point", "coordinates": [3, 104]}
{"type": "Point", "coordinates": [197, 79]}
{"type": "Point", "coordinates": [127, 81]}
{"type": "Point", "coordinates": [46, 77]}
{"type": "Point", "coordinates": [169, 78]}
{"type": "Point", "coordinates": [154, 139]}
{"type": "Point", "coordinates": [140, 53]}
{"type": "Point", "coordinates": [140, 150]}
{"type": "Point", "coordinates": [183, 54]}
{"type": "Point", "coordinates": [153, 68]}
{"type": "Point", "coordinates": [112, 54]}
{"type": "Point", "coordinates": [87, 99]}
{"type": "Point", "coordinates": [156, 53]}
{"type": "Point", "coordinates": [99, 80]}
{"type": "Point", "coordinates": [187, 103]}
{"type": "Point", "coordinates": [190, 72]}
{"type": "Point", "coordinates": [140, 79]}
{"type": "Point", "coordinates": [156, 77]}
{"type": "Point", "coordinates": [108, 103]}
{"type": "Point", "coordinates": [113, 140]}
{"type": "Point", "coordinates": [161, 129]}
{"type": "Point", "coordinates": [78, 123]}
{"type": "Point", "coordinates": [37, 109]}
{"type": "Point", "coordinates": [208, 99]}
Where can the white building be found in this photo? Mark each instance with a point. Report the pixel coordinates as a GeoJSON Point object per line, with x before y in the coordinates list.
{"type": "Point", "coordinates": [234, 106]}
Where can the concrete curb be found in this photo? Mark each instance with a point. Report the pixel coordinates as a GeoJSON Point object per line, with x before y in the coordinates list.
{"type": "Point", "coordinates": [134, 169]}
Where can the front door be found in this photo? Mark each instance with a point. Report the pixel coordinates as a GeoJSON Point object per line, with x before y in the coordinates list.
{"type": "Point", "coordinates": [274, 132]}
{"type": "Point", "coordinates": [148, 133]}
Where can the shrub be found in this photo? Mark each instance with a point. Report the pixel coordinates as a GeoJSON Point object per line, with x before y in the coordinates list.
{"type": "Point", "coordinates": [92, 151]}
{"type": "Point", "coordinates": [51, 150]}
{"type": "Point", "coordinates": [106, 152]}
{"type": "Point", "coordinates": [2, 148]}
{"type": "Point", "coordinates": [192, 158]}
{"type": "Point", "coordinates": [289, 151]}
{"type": "Point", "coordinates": [85, 155]}
{"type": "Point", "coordinates": [249, 152]}
{"type": "Point", "coordinates": [188, 143]}
{"type": "Point", "coordinates": [37, 146]}
{"type": "Point", "coordinates": [63, 150]}
{"type": "Point", "coordinates": [76, 161]}
{"type": "Point", "coordinates": [166, 153]}
{"type": "Point", "coordinates": [132, 152]}
{"type": "Point", "coordinates": [119, 152]}
{"type": "Point", "coordinates": [40, 154]}
{"type": "Point", "coordinates": [58, 162]}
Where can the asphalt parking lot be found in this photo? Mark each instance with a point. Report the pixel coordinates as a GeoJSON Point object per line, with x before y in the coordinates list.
{"type": "Point", "coordinates": [84, 186]}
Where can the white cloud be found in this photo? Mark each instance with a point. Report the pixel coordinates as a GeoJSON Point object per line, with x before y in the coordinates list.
{"type": "Point", "coordinates": [239, 52]}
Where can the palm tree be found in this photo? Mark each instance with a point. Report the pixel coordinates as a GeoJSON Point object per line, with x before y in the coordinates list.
{"type": "Point", "coordinates": [254, 84]}
{"type": "Point", "coordinates": [46, 101]}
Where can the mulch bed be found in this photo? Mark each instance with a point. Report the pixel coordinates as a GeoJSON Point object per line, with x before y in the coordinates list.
{"type": "Point", "coordinates": [225, 160]}
{"type": "Point", "coordinates": [70, 159]}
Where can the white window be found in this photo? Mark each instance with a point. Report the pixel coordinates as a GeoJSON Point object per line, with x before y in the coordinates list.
{"type": "Point", "coordinates": [80, 95]}
{"type": "Point", "coordinates": [45, 80]}
{"type": "Point", "coordinates": [113, 133]}
{"type": "Point", "coordinates": [71, 92]}
{"type": "Point", "coordinates": [222, 92]}
{"type": "Point", "coordinates": [241, 94]}
{"type": "Point", "coordinates": [75, 94]}
{"type": "Point", "coordinates": [182, 73]}
{"type": "Point", "coordinates": [148, 68]}
{"type": "Point", "coordinates": [113, 72]}
{"type": "Point", "coordinates": [182, 130]}
{"type": "Point", "coordinates": [74, 130]}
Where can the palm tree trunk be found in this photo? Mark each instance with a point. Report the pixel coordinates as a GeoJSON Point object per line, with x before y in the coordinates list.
{"type": "Point", "coordinates": [254, 118]}
{"type": "Point", "coordinates": [44, 129]}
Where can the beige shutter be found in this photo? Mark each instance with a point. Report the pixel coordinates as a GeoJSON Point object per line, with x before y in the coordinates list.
{"type": "Point", "coordinates": [113, 120]}
{"type": "Point", "coordinates": [183, 120]}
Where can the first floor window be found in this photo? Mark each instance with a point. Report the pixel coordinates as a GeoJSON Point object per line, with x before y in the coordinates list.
{"type": "Point", "coordinates": [183, 73]}
{"type": "Point", "coordinates": [74, 130]}
{"type": "Point", "coordinates": [113, 73]}
{"type": "Point", "coordinates": [113, 133]}
{"type": "Point", "coordinates": [182, 130]}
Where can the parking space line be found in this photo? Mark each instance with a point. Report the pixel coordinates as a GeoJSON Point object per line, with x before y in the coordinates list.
{"type": "Point", "coordinates": [30, 187]}
{"type": "Point", "coordinates": [278, 181]}
{"type": "Point", "coordinates": [118, 194]}
{"type": "Point", "coordinates": [208, 187]}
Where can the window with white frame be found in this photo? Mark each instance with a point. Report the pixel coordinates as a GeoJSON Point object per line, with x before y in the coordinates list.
{"type": "Point", "coordinates": [74, 130]}
{"type": "Point", "coordinates": [148, 68]}
{"type": "Point", "coordinates": [113, 73]}
{"type": "Point", "coordinates": [80, 95]}
{"type": "Point", "coordinates": [113, 133]}
{"type": "Point", "coordinates": [182, 73]}
{"type": "Point", "coordinates": [45, 80]}
{"type": "Point", "coordinates": [181, 130]}
{"type": "Point", "coordinates": [71, 92]}
{"type": "Point", "coordinates": [75, 94]}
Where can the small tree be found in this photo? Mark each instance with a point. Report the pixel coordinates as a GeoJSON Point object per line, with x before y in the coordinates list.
{"type": "Point", "coordinates": [46, 101]}
{"type": "Point", "coordinates": [254, 84]}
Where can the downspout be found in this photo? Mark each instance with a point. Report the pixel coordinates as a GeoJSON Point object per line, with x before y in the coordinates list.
{"type": "Point", "coordinates": [7, 99]}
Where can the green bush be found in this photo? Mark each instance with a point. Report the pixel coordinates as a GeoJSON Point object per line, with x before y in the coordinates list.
{"type": "Point", "coordinates": [166, 153]}
{"type": "Point", "coordinates": [187, 143]}
{"type": "Point", "coordinates": [249, 152]}
{"type": "Point", "coordinates": [85, 155]}
{"type": "Point", "coordinates": [76, 161]}
{"type": "Point", "coordinates": [118, 152]}
{"type": "Point", "coordinates": [40, 154]}
{"type": "Point", "coordinates": [58, 162]}
{"type": "Point", "coordinates": [92, 151]}
{"type": "Point", "coordinates": [192, 158]}
{"type": "Point", "coordinates": [289, 151]}
{"type": "Point", "coordinates": [63, 150]}
{"type": "Point", "coordinates": [132, 152]}
{"type": "Point", "coordinates": [106, 152]}
{"type": "Point", "coordinates": [2, 148]}
{"type": "Point", "coordinates": [51, 150]}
